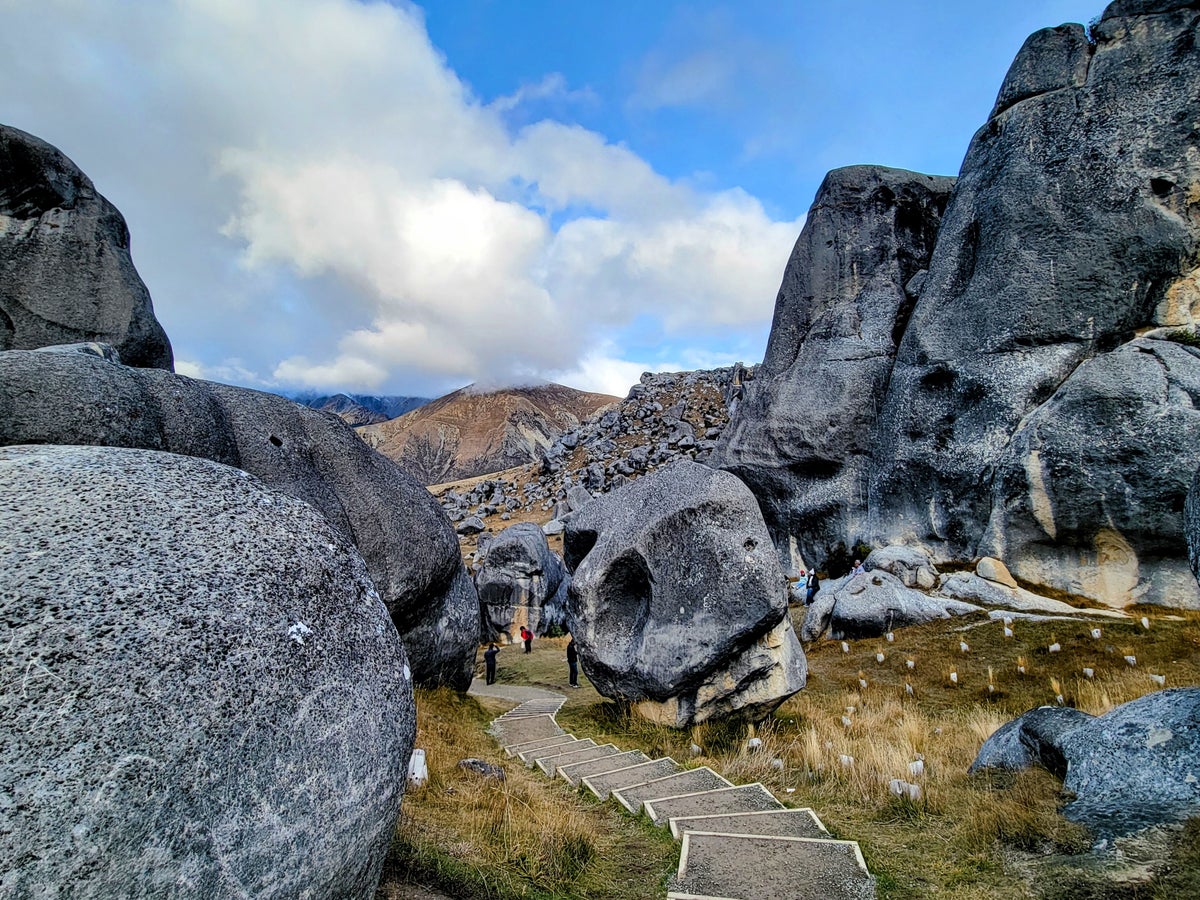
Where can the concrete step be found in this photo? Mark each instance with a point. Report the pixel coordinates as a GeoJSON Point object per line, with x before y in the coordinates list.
{"type": "Point", "coordinates": [777, 822]}
{"type": "Point", "coordinates": [530, 757]}
{"type": "Point", "coordinates": [538, 744]}
{"type": "Point", "coordinates": [525, 728]}
{"type": "Point", "coordinates": [534, 708]}
{"type": "Point", "coordinates": [687, 782]}
{"type": "Point", "coordinates": [761, 867]}
{"type": "Point", "coordinates": [577, 770]}
{"type": "Point", "coordinates": [549, 764]}
{"type": "Point", "coordinates": [602, 784]}
{"type": "Point", "coordinates": [741, 799]}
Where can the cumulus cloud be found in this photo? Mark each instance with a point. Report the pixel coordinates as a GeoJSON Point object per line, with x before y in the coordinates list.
{"type": "Point", "coordinates": [343, 213]}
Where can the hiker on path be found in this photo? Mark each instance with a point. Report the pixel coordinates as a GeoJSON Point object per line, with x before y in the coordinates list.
{"type": "Point", "coordinates": [527, 637]}
{"type": "Point", "coordinates": [489, 662]}
{"type": "Point", "coordinates": [573, 663]}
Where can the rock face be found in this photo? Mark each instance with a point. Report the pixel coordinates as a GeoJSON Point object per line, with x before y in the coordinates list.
{"type": "Point", "coordinates": [1041, 406]}
{"type": "Point", "coordinates": [521, 581]}
{"type": "Point", "coordinates": [1129, 769]}
{"type": "Point", "coordinates": [677, 603]}
{"type": "Point", "coordinates": [473, 432]}
{"type": "Point", "coordinates": [1193, 524]}
{"type": "Point", "coordinates": [201, 693]}
{"type": "Point", "coordinates": [410, 550]}
{"type": "Point", "coordinates": [801, 438]}
{"type": "Point", "coordinates": [65, 270]}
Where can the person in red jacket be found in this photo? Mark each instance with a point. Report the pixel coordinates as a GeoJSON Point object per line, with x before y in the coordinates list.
{"type": "Point", "coordinates": [527, 637]}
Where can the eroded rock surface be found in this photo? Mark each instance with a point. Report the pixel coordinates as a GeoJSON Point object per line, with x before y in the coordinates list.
{"type": "Point", "coordinates": [678, 602]}
{"type": "Point", "coordinates": [201, 693]}
{"type": "Point", "coordinates": [409, 547]}
{"type": "Point", "coordinates": [1131, 768]}
{"type": "Point", "coordinates": [801, 437]}
{"type": "Point", "coordinates": [66, 274]}
{"type": "Point", "coordinates": [521, 581]}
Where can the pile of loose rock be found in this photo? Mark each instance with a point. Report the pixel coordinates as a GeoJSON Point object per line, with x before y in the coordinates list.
{"type": "Point", "coordinates": [666, 416]}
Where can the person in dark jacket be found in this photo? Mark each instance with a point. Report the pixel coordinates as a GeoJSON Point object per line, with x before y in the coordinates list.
{"type": "Point", "coordinates": [814, 585]}
{"type": "Point", "coordinates": [489, 662]}
{"type": "Point", "coordinates": [573, 663]}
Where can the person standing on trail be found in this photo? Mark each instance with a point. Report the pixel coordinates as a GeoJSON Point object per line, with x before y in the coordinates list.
{"type": "Point", "coordinates": [573, 663]}
{"type": "Point", "coordinates": [489, 662]}
{"type": "Point", "coordinates": [527, 637]}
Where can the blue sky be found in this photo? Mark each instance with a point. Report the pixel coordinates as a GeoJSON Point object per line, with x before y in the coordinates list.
{"type": "Point", "coordinates": [337, 195]}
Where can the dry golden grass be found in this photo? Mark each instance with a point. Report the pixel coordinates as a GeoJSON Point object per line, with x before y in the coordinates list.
{"type": "Point", "coordinates": [522, 837]}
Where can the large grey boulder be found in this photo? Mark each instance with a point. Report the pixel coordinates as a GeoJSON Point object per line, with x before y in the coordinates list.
{"type": "Point", "coordinates": [1087, 497]}
{"type": "Point", "coordinates": [801, 435]}
{"type": "Point", "coordinates": [1070, 229]}
{"type": "Point", "coordinates": [676, 582]}
{"type": "Point", "coordinates": [65, 270]}
{"type": "Point", "coordinates": [1136, 766]}
{"type": "Point", "coordinates": [403, 535]}
{"type": "Point", "coordinates": [201, 693]}
{"type": "Point", "coordinates": [521, 582]}
{"type": "Point", "coordinates": [1033, 738]}
{"type": "Point", "coordinates": [874, 603]}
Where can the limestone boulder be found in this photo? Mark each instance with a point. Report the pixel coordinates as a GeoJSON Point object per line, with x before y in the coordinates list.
{"type": "Point", "coordinates": [66, 274]}
{"type": "Point", "coordinates": [677, 598]}
{"type": "Point", "coordinates": [521, 582]}
{"type": "Point", "coordinates": [913, 566]}
{"type": "Point", "coordinates": [1072, 226]}
{"type": "Point", "coordinates": [1031, 739]}
{"type": "Point", "coordinates": [201, 692]}
{"type": "Point", "coordinates": [876, 602]}
{"type": "Point", "coordinates": [403, 535]}
{"type": "Point", "coordinates": [801, 434]}
{"type": "Point", "coordinates": [1129, 769]}
{"type": "Point", "coordinates": [1088, 496]}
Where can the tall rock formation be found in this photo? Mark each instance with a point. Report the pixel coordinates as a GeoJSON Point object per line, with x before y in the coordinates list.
{"type": "Point", "coordinates": [1042, 404]}
{"type": "Point", "coordinates": [801, 438]}
{"type": "Point", "coordinates": [65, 270]}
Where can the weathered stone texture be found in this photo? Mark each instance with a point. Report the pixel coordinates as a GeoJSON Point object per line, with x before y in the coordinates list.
{"type": "Point", "coordinates": [201, 693]}
{"type": "Point", "coordinates": [66, 274]}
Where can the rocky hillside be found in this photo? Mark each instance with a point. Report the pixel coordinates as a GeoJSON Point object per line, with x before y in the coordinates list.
{"type": "Point", "coordinates": [472, 432]}
{"type": "Point", "coordinates": [361, 409]}
{"type": "Point", "coordinates": [665, 416]}
{"type": "Point", "coordinates": [1006, 365]}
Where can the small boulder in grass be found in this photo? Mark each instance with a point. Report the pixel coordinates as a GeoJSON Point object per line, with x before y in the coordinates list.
{"type": "Point", "coordinates": [487, 770]}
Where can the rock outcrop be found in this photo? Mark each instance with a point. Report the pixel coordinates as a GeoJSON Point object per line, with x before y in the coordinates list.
{"type": "Point", "coordinates": [1041, 402]}
{"type": "Point", "coordinates": [1128, 769]}
{"type": "Point", "coordinates": [521, 581]}
{"type": "Point", "coordinates": [872, 604]}
{"type": "Point", "coordinates": [678, 604]}
{"type": "Point", "coordinates": [409, 547]}
{"type": "Point", "coordinates": [66, 274]}
{"type": "Point", "coordinates": [801, 438]}
{"type": "Point", "coordinates": [201, 693]}
{"type": "Point", "coordinates": [1192, 512]}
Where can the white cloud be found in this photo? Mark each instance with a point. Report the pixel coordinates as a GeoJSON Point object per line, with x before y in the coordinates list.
{"type": "Point", "coordinates": [314, 194]}
{"type": "Point", "coordinates": [603, 373]}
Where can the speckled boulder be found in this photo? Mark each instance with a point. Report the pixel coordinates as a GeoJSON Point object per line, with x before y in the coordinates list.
{"type": "Point", "coordinates": [400, 530]}
{"type": "Point", "coordinates": [201, 693]}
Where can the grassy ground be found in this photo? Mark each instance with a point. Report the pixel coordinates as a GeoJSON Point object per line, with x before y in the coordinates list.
{"type": "Point", "coordinates": [966, 837]}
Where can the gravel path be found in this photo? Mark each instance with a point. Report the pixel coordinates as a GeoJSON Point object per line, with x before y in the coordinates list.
{"type": "Point", "coordinates": [515, 693]}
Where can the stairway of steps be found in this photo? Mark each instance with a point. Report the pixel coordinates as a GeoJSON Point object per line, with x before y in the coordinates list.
{"type": "Point", "coordinates": [737, 842]}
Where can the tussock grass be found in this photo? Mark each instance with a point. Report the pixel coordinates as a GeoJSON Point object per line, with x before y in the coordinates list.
{"type": "Point", "coordinates": [525, 836]}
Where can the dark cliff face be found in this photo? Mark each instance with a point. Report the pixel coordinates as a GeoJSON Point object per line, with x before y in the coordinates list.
{"type": "Point", "coordinates": [1070, 238]}
{"type": "Point", "coordinates": [801, 437]}
{"type": "Point", "coordinates": [66, 274]}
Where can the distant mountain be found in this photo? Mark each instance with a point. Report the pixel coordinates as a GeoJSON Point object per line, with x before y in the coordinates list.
{"type": "Point", "coordinates": [472, 432]}
{"type": "Point", "coordinates": [360, 409]}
